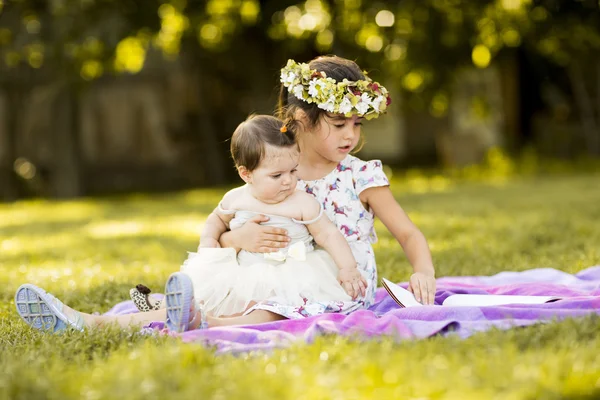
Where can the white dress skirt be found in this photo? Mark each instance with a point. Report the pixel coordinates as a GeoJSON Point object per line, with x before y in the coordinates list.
{"type": "Point", "coordinates": [227, 284]}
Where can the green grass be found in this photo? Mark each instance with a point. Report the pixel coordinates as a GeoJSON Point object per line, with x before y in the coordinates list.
{"type": "Point", "coordinates": [90, 252]}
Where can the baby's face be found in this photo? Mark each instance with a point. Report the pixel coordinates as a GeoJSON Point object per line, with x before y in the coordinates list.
{"type": "Point", "coordinates": [275, 178]}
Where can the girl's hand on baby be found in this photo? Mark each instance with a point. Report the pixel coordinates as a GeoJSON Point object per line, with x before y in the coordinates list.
{"type": "Point", "coordinates": [353, 282]}
{"type": "Point", "coordinates": [261, 239]}
{"type": "Point", "coordinates": [423, 287]}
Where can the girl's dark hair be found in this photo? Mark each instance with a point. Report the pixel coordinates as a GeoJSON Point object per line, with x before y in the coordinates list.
{"type": "Point", "coordinates": [250, 137]}
{"type": "Point", "coordinates": [335, 67]}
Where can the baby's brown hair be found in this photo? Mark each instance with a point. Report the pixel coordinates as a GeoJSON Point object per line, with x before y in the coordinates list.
{"type": "Point", "coordinates": [249, 139]}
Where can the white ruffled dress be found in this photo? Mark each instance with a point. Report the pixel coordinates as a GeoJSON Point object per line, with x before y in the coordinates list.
{"type": "Point", "coordinates": [228, 284]}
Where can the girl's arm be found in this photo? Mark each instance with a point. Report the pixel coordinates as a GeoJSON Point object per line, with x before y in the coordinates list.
{"type": "Point", "coordinates": [326, 235]}
{"type": "Point", "coordinates": [386, 208]}
{"type": "Point", "coordinates": [252, 236]}
{"type": "Point", "coordinates": [255, 238]}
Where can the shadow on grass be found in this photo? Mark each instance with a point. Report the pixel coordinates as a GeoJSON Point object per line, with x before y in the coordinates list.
{"type": "Point", "coordinates": [162, 205]}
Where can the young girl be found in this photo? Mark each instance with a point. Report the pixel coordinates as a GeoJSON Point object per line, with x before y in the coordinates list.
{"type": "Point", "coordinates": [266, 154]}
{"type": "Point", "coordinates": [325, 101]}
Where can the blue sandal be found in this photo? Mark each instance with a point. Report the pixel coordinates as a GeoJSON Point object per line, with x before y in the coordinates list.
{"type": "Point", "coordinates": [179, 297]}
{"type": "Point", "coordinates": [44, 312]}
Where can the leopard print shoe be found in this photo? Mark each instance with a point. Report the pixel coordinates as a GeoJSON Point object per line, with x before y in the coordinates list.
{"type": "Point", "coordinates": [141, 298]}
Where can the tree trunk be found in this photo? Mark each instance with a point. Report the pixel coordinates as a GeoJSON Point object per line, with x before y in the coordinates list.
{"type": "Point", "coordinates": [509, 76]}
{"type": "Point", "coordinates": [8, 118]}
{"type": "Point", "coordinates": [598, 98]}
{"type": "Point", "coordinates": [586, 110]}
{"type": "Point", "coordinates": [213, 161]}
{"type": "Point", "coordinates": [65, 174]}
{"type": "Point", "coordinates": [211, 151]}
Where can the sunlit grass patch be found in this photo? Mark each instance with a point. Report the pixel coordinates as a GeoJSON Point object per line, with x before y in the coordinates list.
{"type": "Point", "coordinates": [89, 252]}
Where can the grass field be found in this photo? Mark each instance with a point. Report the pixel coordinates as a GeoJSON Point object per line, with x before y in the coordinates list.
{"type": "Point", "coordinates": [90, 252]}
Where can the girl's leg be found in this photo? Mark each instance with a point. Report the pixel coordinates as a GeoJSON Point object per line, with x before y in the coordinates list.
{"type": "Point", "coordinates": [255, 317]}
{"type": "Point", "coordinates": [124, 321]}
{"type": "Point", "coordinates": [43, 311]}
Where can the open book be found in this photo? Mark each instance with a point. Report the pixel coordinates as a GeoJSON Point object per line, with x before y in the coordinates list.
{"type": "Point", "coordinates": [404, 298]}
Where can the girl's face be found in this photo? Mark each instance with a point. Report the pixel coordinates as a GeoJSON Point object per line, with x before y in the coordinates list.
{"type": "Point", "coordinates": [275, 178]}
{"type": "Point", "coordinates": [334, 137]}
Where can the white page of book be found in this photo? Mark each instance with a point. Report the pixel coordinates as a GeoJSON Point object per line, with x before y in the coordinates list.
{"type": "Point", "coordinates": [402, 295]}
{"type": "Point", "coordinates": [407, 299]}
{"type": "Point", "coordinates": [482, 300]}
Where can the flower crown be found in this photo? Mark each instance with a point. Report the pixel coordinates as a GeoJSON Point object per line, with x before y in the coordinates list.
{"type": "Point", "coordinates": [364, 98]}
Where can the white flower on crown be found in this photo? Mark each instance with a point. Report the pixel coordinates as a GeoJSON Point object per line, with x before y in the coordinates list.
{"type": "Point", "coordinates": [288, 79]}
{"type": "Point", "coordinates": [345, 106]}
{"type": "Point", "coordinates": [365, 98]}
{"type": "Point", "coordinates": [377, 102]}
{"type": "Point", "coordinates": [313, 90]}
{"type": "Point", "coordinates": [363, 105]}
{"type": "Point", "coordinates": [329, 105]}
{"type": "Point", "coordinates": [299, 91]}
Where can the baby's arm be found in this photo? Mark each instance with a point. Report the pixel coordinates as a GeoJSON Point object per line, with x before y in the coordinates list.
{"type": "Point", "coordinates": [214, 227]}
{"type": "Point", "coordinates": [386, 208]}
{"type": "Point", "coordinates": [326, 235]}
{"type": "Point", "coordinates": [217, 223]}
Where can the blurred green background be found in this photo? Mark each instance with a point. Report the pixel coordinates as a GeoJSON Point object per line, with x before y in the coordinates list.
{"type": "Point", "coordinates": [105, 96]}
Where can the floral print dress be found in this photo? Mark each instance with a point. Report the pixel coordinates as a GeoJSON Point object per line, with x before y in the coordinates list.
{"type": "Point", "coordinates": [339, 192]}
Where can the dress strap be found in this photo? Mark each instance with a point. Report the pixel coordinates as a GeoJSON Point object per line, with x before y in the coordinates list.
{"type": "Point", "coordinates": [312, 221]}
{"type": "Point", "coordinates": [225, 212]}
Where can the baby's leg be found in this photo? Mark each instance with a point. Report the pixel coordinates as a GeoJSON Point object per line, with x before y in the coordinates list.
{"type": "Point", "coordinates": [130, 320]}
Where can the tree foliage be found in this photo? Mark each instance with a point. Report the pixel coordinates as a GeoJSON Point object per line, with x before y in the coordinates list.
{"type": "Point", "coordinates": [421, 43]}
{"type": "Point", "coordinates": [410, 34]}
{"type": "Point", "coordinates": [424, 41]}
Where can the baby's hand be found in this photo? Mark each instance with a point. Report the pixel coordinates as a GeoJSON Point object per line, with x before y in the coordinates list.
{"type": "Point", "coordinates": [423, 287]}
{"type": "Point", "coordinates": [352, 282]}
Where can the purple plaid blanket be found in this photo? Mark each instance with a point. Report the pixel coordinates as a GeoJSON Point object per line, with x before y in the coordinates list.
{"type": "Point", "coordinates": [580, 295]}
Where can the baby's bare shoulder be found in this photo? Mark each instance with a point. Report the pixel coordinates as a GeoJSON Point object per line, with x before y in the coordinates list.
{"type": "Point", "coordinates": [301, 197]}
{"type": "Point", "coordinates": [308, 206]}
{"type": "Point", "coordinates": [232, 198]}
